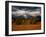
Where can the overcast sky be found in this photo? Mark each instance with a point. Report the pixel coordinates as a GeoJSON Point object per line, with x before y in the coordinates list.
{"type": "Point", "coordinates": [24, 11]}
{"type": "Point", "coordinates": [15, 8]}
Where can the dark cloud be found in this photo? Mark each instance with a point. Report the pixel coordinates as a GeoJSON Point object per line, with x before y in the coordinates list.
{"type": "Point", "coordinates": [15, 8]}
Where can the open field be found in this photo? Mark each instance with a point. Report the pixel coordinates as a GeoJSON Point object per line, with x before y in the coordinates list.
{"type": "Point", "coordinates": [27, 26]}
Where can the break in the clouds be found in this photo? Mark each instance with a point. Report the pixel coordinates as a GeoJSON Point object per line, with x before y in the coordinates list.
{"type": "Point", "coordinates": [25, 11]}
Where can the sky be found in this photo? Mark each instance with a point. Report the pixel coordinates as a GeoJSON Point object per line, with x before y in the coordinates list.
{"type": "Point", "coordinates": [15, 8]}
{"type": "Point", "coordinates": [25, 11]}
